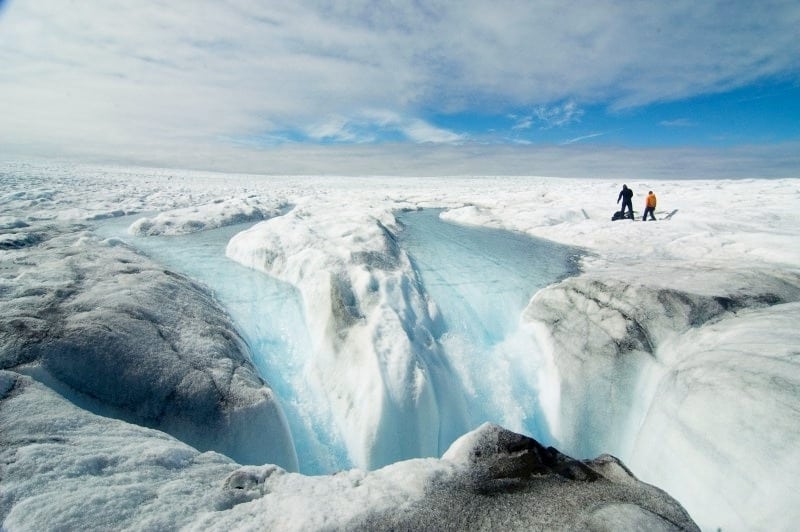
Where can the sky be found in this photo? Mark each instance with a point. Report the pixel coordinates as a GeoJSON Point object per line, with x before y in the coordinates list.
{"type": "Point", "coordinates": [680, 88]}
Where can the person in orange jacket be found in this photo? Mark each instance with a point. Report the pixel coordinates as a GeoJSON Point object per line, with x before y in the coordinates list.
{"type": "Point", "coordinates": [649, 206]}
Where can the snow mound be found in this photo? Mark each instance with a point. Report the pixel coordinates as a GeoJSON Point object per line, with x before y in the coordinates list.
{"type": "Point", "coordinates": [219, 213]}
{"type": "Point", "coordinates": [370, 322]}
{"type": "Point", "coordinates": [116, 334]}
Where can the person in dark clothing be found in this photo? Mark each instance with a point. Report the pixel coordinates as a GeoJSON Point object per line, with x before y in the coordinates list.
{"type": "Point", "coordinates": [626, 195]}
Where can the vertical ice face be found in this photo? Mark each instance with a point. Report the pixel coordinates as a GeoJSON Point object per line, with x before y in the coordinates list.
{"type": "Point", "coordinates": [690, 381]}
{"type": "Point", "coordinates": [723, 428]}
{"type": "Point", "coordinates": [481, 280]}
{"type": "Point", "coordinates": [119, 335]}
{"type": "Point", "coordinates": [390, 389]}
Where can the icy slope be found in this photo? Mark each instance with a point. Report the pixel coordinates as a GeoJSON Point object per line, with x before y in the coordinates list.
{"type": "Point", "coordinates": [375, 356]}
{"type": "Point", "coordinates": [64, 468]}
{"type": "Point", "coordinates": [119, 335]}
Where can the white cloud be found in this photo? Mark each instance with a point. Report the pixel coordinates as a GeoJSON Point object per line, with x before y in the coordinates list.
{"type": "Point", "coordinates": [525, 122]}
{"type": "Point", "coordinates": [582, 138]}
{"type": "Point", "coordinates": [374, 125]}
{"type": "Point", "coordinates": [336, 129]}
{"type": "Point", "coordinates": [558, 115]}
{"type": "Point", "coordinates": [678, 122]}
{"type": "Point", "coordinates": [423, 132]}
{"type": "Point", "coordinates": [151, 75]}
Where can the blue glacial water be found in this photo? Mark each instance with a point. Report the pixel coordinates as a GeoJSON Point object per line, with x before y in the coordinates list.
{"type": "Point", "coordinates": [269, 315]}
{"type": "Point", "coordinates": [480, 279]}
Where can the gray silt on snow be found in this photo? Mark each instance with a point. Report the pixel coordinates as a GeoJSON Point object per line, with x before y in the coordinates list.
{"type": "Point", "coordinates": [117, 333]}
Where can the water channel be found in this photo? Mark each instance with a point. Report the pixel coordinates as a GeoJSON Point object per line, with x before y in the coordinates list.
{"type": "Point", "coordinates": [480, 279]}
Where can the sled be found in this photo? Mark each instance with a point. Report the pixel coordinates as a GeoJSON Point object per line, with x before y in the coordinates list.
{"type": "Point", "coordinates": [619, 216]}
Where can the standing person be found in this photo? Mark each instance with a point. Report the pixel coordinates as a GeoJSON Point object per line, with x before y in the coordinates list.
{"type": "Point", "coordinates": [626, 195]}
{"type": "Point", "coordinates": [649, 206]}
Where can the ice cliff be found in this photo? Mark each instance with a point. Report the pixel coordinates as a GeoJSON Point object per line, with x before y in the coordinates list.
{"type": "Point", "coordinates": [121, 336]}
{"type": "Point", "coordinates": [686, 376]}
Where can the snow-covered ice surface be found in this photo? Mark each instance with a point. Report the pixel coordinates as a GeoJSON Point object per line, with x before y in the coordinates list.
{"type": "Point", "coordinates": [674, 349]}
{"type": "Point", "coordinates": [67, 469]}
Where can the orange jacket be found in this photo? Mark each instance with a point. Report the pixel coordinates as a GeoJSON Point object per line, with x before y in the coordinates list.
{"type": "Point", "coordinates": [651, 200]}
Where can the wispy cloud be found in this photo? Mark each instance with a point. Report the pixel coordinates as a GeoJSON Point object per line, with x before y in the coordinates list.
{"type": "Point", "coordinates": [582, 138]}
{"type": "Point", "coordinates": [525, 122]}
{"type": "Point", "coordinates": [558, 115]}
{"type": "Point", "coordinates": [377, 126]}
{"type": "Point", "coordinates": [678, 122]}
{"type": "Point", "coordinates": [548, 117]}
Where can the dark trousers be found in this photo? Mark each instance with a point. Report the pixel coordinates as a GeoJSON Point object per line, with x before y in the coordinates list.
{"type": "Point", "coordinates": [629, 205]}
{"type": "Point", "coordinates": [650, 211]}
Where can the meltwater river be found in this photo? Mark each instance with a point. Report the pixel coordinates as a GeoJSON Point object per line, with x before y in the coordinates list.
{"type": "Point", "coordinates": [480, 279]}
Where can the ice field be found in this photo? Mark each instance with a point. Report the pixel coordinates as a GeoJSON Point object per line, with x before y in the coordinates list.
{"type": "Point", "coordinates": [168, 334]}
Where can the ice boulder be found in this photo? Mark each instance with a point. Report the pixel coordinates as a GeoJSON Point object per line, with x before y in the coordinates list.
{"type": "Point", "coordinates": [490, 479]}
{"type": "Point", "coordinates": [118, 335]}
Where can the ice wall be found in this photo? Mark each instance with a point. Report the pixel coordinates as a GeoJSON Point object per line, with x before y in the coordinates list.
{"type": "Point", "coordinates": [684, 380]}
{"type": "Point", "coordinates": [121, 336]}
{"type": "Point", "coordinates": [726, 404]}
{"type": "Point", "coordinates": [481, 280]}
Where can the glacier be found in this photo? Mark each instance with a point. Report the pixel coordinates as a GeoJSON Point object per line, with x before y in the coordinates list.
{"type": "Point", "coordinates": [669, 345]}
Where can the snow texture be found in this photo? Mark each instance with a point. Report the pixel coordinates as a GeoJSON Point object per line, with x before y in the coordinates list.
{"type": "Point", "coordinates": [490, 479]}
{"type": "Point", "coordinates": [674, 349]}
{"type": "Point", "coordinates": [67, 469]}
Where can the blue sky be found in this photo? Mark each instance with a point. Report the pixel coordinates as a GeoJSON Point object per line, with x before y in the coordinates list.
{"type": "Point", "coordinates": [762, 113]}
{"type": "Point", "coordinates": [364, 85]}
